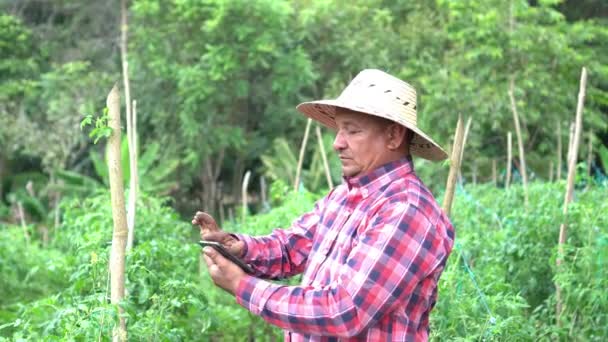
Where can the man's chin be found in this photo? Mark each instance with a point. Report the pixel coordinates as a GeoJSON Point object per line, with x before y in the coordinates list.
{"type": "Point", "coordinates": [349, 172]}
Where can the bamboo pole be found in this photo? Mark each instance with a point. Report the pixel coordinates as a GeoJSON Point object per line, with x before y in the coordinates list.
{"type": "Point", "coordinates": [520, 143]}
{"type": "Point", "coordinates": [133, 177]}
{"type": "Point", "coordinates": [296, 184]}
{"type": "Point", "coordinates": [330, 183]}
{"type": "Point", "coordinates": [454, 167]}
{"type": "Point", "coordinates": [464, 142]}
{"type": "Point", "coordinates": [244, 194]}
{"type": "Point", "coordinates": [494, 173]}
{"type": "Point", "coordinates": [131, 133]}
{"type": "Point", "coordinates": [119, 236]}
{"type": "Point", "coordinates": [570, 141]}
{"type": "Point", "coordinates": [570, 184]}
{"type": "Point", "coordinates": [465, 137]}
{"type": "Point", "coordinates": [263, 192]}
{"type": "Point", "coordinates": [509, 159]}
{"type": "Point", "coordinates": [23, 224]}
{"type": "Point", "coordinates": [559, 151]}
{"type": "Point", "coordinates": [590, 153]}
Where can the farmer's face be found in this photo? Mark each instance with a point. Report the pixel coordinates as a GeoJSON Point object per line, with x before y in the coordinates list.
{"type": "Point", "coordinates": [363, 142]}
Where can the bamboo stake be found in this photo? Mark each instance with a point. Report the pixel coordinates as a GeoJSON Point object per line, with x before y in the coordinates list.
{"type": "Point", "coordinates": [324, 157]}
{"type": "Point", "coordinates": [296, 184]}
{"type": "Point", "coordinates": [244, 194]}
{"type": "Point", "coordinates": [119, 237]}
{"type": "Point", "coordinates": [570, 141]}
{"type": "Point", "coordinates": [230, 214]}
{"type": "Point", "coordinates": [590, 153]}
{"type": "Point", "coordinates": [464, 139]}
{"type": "Point", "coordinates": [454, 167]}
{"type": "Point", "coordinates": [494, 176]}
{"type": "Point", "coordinates": [559, 151]}
{"type": "Point", "coordinates": [133, 177]}
{"type": "Point", "coordinates": [263, 192]}
{"type": "Point", "coordinates": [509, 159]}
{"type": "Point", "coordinates": [23, 224]}
{"type": "Point", "coordinates": [131, 134]}
{"type": "Point", "coordinates": [474, 172]}
{"type": "Point", "coordinates": [520, 143]}
{"type": "Point", "coordinates": [570, 184]}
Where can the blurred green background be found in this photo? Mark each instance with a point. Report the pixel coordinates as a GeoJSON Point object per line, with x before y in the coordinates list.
{"type": "Point", "coordinates": [216, 84]}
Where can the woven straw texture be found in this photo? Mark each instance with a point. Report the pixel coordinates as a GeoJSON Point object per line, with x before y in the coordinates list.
{"type": "Point", "coordinates": [377, 93]}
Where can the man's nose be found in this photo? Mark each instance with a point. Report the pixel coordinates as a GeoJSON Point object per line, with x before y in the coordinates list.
{"type": "Point", "coordinates": [339, 142]}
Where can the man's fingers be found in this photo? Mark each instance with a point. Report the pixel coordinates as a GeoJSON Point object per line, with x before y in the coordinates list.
{"type": "Point", "coordinates": [218, 236]}
{"type": "Point", "coordinates": [214, 257]}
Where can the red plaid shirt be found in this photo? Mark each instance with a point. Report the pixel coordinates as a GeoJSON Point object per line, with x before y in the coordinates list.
{"type": "Point", "coordinates": [371, 252]}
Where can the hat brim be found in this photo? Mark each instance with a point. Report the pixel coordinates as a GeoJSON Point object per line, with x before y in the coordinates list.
{"type": "Point", "coordinates": [324, 112]}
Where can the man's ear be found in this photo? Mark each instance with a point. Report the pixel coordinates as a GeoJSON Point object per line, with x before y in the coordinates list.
{"type": "Point", "coordinates": [396, 135]}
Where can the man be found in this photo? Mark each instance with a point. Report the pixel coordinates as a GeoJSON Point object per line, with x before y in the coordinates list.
{"type": "Point", "coordinates": [372, 251]}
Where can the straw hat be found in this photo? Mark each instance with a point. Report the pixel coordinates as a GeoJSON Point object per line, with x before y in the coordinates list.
{"type": "Point", "coordinates": [377, 93]}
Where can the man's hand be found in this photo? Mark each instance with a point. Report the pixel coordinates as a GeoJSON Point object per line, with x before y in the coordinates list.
{"type": "Point", "coordinates": [210, 231]}
{"type": "Point", "coordinates": [224, 273]}
{"type": "Point", "coordinates": [205, 222]}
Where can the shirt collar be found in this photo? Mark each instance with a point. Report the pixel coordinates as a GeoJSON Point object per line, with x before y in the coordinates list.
{"type": "Point", "coordinates": [379, 177]}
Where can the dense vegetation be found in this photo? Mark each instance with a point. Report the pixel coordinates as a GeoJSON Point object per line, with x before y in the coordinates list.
{"type": "Point", "coordinates": [498, 283]}
{"type": "Point", "coordinates": [216, 83]}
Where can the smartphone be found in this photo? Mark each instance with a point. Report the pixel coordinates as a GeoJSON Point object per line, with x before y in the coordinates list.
{"type": "Point", "coordinates": [224, 252]}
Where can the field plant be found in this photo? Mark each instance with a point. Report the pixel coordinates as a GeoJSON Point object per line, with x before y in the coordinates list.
{"type": "Point", "coordinates": [498, 285]}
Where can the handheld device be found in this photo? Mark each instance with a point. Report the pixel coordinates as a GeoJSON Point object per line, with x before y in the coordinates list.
{"type": "Point", "coordinates": [226, 254]}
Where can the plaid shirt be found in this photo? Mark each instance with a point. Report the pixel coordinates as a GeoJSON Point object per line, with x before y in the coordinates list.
{"type": "Point", "coordinates": [371, 252]}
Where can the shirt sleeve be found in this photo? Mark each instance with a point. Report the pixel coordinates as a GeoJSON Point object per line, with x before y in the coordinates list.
{"type": "Point", "coordinates": [284, 252]}
{"type": "Point", "coordinates": [391, 256]}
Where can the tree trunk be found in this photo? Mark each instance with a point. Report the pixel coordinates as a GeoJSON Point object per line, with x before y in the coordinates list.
{"type": "Point", "coordinates": [454, 167]}
{"type": "Point", "coordinates": [119, 237]}
{"type": "Point", "coordinates": [570, 185]}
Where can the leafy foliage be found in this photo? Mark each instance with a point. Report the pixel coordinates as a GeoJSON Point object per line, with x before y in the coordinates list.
{"type": "Point", "coordinates": [498, 283]}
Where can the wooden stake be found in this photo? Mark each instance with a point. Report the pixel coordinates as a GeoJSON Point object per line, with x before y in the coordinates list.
{"type": "Point", "coordinates": [550, 171]}
{"type": "Point", "coordinates": [559, 151]}
{"type": "Point", "coordinates": [474, 172]}
{"type": "Point", "coordinates": [133, 177]}
{"type": "Point", "coordinates": [590, 153]}
{"type": "Point", "coordinates": [570, 184]}
{"type": "Point", "coordinates": [570, 141]}
{"type": "Point", "coordinates": [324, 157]}
{"type": "Point", "coordinates": [494, 173]}
{"type": "Point", "coordinates": [520, 143]}
{"type": "Point", "coordinates": [296, 184]}
{"type": "Point", "coordinates": [244, 194]}
{"type": "Point", "coordinates": [23, 224]}
{"type": "Point", "coordinates": [119, 236]}
{"type": "Point", "coordinates": [509, 159]}
{"type": "Point", "coordinates": [263, 192]}
{"type": "Point", "coordinates": [465, 137]}
{"type": "Point", "coordinates": [132, 200]}
{"type": "Point", "coordinates": [454, 167]}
